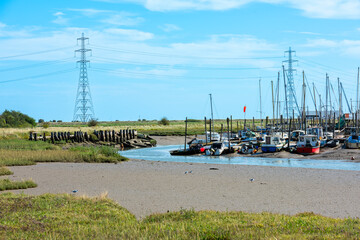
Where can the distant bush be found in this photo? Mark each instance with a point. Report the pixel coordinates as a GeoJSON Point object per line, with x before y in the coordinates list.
{"type": "Point", "coordinates": [92, 123]}
{"type": "Point", "coordinates": [16, 119]}
{"type": "Point", "coordinates": [45, 125]}
{"type": "Point", "coordinates": [59, 120]}
{"type": "Point", "coordinates": [53, 120]}
{"type": "Point", "coordinates": [164, 121]}
{"type": "Point", "coordinates": [194, 120]}
{"type": "Point", "coordinates": [41, 120]}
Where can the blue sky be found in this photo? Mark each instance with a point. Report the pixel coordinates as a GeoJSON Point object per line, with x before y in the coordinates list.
{"type": "Point", "coordinates": [153, 58]}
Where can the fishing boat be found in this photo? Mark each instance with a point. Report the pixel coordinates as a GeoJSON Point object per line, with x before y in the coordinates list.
{"type": "Point", "coordinates": [319, 133]}
{"type": "Point", "coordinates": [273, 144]}
{"type": "Point", "coordinates": [353, 141]}
{"type": "Point", "coordinates": [308, 144]}
{"type": "Point", "coordinates": [294, 136]}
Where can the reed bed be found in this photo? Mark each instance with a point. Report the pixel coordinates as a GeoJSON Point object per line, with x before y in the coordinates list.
{"type": "Point", "coordinates": [66, 216]}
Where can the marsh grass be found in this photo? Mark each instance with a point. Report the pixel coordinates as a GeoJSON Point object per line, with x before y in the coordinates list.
{"type": "Point", "coordinates": [175, 127]}
{"type": "Point", "coordinates": [6, 184]}
{"type": "Point", "coordinates": [18, 152]}
{"type": "Point", "coordinates": [5, 171]}
{"type": "Point", "coordinates": [66, 216]}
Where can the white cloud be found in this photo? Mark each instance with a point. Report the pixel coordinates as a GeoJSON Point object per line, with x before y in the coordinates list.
{"type": "Point", "coordinates": [170, 27]}
{"type": "Point", "coordinates": [2, 25]}
{"type": "Point", "coordinates": [341, 9]}
{"type": "Point", "coordinates": [60, 19]}
{"type": "Point", "coordinates": [89, 11]}
{"type": "Point", "coordinates": [123, 19]}
{"type": "Point", "coordinates": [130, 34]}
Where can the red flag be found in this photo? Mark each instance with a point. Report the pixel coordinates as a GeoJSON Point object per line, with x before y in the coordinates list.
{"type": "Point", "coordinates": [244, 108]}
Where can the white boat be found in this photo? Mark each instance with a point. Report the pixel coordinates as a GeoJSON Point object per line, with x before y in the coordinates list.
{"type": "Point", "coordinates": [273, 143]}
{"type": "Point", "coordinates": [217, 148]}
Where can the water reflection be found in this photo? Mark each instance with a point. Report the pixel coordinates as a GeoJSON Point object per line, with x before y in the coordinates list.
{"type": "Point", "coordinates": [161, 153]}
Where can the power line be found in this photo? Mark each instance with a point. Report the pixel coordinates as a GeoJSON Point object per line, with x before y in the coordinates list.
{"type": "Point", "coordinates": [38, 76]}
{"type": "Point", "coordinates": [172, 76]}
{"type": "Point", "coordinates": [177, 56]}
{"type": "Point", "coordinates": [35, 53]}
{"type": "Point", "coordinates": [35, 65]}
{"type": "Point", "coordinates": [182, 66]}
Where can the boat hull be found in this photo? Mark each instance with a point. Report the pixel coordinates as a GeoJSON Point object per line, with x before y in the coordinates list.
{"type": "Point", "coordinates": [270, 149]}
{"type": "Point", "coordinates": [183, 152]}
{"type": "Point", "coordinates": [352, 145]}
{"type": "Point", "coordinates": [308, 150]}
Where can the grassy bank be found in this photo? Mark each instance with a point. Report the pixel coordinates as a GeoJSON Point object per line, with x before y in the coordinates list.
{"type": "Point", "coordinates": [6, 184]}
{"type": "Point", "coordinates": [19, 152]}
{"type": "Point", "coordinates": [68, 217]}
{"type": "Point", "coordinates": [5, 171]}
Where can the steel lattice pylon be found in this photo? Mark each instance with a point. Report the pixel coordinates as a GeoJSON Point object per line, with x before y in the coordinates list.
{"type": "Point", "coordinates": [84, 109]}
{"type": "Point", "coordinates": [291, 96]}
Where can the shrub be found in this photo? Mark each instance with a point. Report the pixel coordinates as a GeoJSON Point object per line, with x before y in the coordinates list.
{"type": "Point", "coordinates": [92, 123]}
{"type": "Point", "coordinates": [59, 120]}
{"type": "Point", "coordinates": [41, 120]}
{"type": "Point", "coordinates": [45, 125]}
{"type": "Point", "coordinates": [164, 121]}
{"type": "Point", "coordinates": [16, 119]}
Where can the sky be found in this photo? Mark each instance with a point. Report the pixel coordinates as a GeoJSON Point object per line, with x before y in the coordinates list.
{"type": "Point", "coordinates": [152, 59]}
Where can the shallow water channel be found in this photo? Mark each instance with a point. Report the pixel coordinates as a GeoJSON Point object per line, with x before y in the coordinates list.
{"type": "Point", "coordinates": [161, 153]}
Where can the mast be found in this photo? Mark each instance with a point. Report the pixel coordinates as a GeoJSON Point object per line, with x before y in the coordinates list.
{"type": "Point", "coordinates": [357, 91]}
{"type": "Point", "coordinates": [304, 95]}
{"type": "Point", "coordinates": [185, 133]}
{"type": "Point", "coordinates": [273, 103]}
{"type": "Point", "coordinates": [326, 103]}
{"type": "Point", "coordinates": [287, 109]}
{"type": "Point", "coordinates": [212, 115]}
{"type": "Point", "coordinates": [316, 111]}
{"type": "Point", "coordinates": [278, 98]}
{"type": "Point", "coordinates": [260, 104]}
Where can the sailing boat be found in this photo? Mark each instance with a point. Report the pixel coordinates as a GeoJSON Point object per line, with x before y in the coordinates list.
{"type": "Point", "coordinates": [192, 149]}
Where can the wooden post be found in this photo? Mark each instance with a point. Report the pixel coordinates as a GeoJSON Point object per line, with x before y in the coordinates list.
{"type": "Point", "coordinates": [253, 123]}
{"type": "Point", "coordinates": [44, 137]}
{"type": "Point", "coordinates": [227, 120]}
{"type": "Point", "coordinates": [231, 124]}
{"type": "Point", "coordinates": [221, 132]}
{"type": "Point", "coordinates": [31, 136]}
{"type": "Point", "coordinates": [52, 137]}
{"type": "Point", "coordinates": [86, 136]}
{"type": "Point", "coordinates": [113, 136]}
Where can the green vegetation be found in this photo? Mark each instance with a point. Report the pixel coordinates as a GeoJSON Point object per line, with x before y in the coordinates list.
{"type": "Point", "coordinates": [92, 123]}
{"type": "Point", "coordinates": [5, 171]}
{"type": "Point", "coordinates": [65, 216]}
{"type": "Point", "coordinates": [6, 184]}
{"type": "Point", "coordinates": [10, 119]}
{"type": "Point", "coordinates": [164, 121]}
{"type": "Point", "coordinates": [19, 152]}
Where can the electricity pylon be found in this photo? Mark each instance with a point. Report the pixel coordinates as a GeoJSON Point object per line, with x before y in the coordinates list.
{"type": "Point", "coordinates": [291, 96]}
{"type": "Point", "coordinates": [84, 109]}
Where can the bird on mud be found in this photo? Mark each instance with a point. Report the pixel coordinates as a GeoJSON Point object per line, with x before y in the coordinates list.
{"type": "Point", "coordinates": [251, 179]}
{"type": "Point", "coordinates": [74, 191]}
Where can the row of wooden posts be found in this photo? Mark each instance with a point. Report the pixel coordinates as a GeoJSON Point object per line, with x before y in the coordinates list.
{"type": "Point", "coordinates": [79, 136]}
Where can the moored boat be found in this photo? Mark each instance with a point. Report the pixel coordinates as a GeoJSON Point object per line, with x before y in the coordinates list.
{"type": "Point", "coordinates": [308, 144]}
{"type": "Point", "coordinates": [272, 144]}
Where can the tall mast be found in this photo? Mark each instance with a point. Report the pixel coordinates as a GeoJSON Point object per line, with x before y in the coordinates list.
{"type": "Point", "coordinates": [273, 103]}
{"type": "Point", "coordinates": [326, 102]}
{"type": "Point", "coordinates": [260, 104]}
{"type": "Point", "coordinates": [212, 115]}
{"type": "Point", "coordinates": [357, 92]}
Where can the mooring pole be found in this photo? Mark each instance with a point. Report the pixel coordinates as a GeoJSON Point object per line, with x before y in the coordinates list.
{"type": "Point", "coordinates": [185, 133]}
{"type": "Point", "coordinates": [206, 141]}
